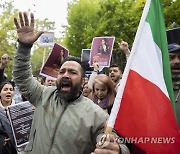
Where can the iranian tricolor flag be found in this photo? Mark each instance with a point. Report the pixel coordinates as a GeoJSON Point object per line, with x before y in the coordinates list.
{"type": "Point", "coordinates": [142, 111]}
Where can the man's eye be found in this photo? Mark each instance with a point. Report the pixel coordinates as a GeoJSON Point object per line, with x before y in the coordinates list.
{"type": "Point", "coordinates": [73, 72]}
{"type": "Point", "coordinates": [61, 72]}
{"type": "Point", "coordinates": [171, 57]}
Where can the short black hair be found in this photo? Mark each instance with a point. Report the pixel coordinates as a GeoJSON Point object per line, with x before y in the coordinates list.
{"type": "Point", "coordinates": [78, 60]}
{"type": "Point", "coordinates": [116, 65]}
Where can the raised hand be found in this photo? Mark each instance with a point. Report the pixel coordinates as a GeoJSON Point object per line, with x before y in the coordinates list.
{"type": "Point", "coordinates": [25, 28]}
{"type": "Point", "coordinates": [124, 47]}
{"type": "Point", "coordinates": [96, 66]}
{"type": "Point", "coordinates": [4, 60]}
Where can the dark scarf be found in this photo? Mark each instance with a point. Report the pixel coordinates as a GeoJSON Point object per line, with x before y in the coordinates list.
{"type": "Point", "coordinates": [104, 104]}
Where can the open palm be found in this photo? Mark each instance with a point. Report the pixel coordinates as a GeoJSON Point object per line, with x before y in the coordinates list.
{"type": "Point", "coordinates": [25, 28]}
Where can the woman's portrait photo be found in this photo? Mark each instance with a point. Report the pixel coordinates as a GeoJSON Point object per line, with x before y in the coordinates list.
{"type": "Point", "coordinates": [101, 50]}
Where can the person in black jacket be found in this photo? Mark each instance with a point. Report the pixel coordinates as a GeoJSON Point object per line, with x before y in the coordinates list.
{"type": "Point", "coordinates": [7, 143]}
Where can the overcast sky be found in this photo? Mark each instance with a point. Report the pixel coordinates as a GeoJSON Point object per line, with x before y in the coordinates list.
{"type": "Point", "coordinates": [54, 10]}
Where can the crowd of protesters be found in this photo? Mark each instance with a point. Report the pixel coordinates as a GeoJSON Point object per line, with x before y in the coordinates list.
{"type": "Point", "coordinates": [70, 112]}
{"type": "Point", "coordinates": [64, 120]}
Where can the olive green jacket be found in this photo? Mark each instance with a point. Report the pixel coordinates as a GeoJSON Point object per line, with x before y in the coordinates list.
{"type": "Point", "coordinates": [58, 127]}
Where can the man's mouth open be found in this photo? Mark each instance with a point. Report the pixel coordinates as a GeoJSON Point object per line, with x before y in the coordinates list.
{"type": "Point", "coordinates": [65, 87]}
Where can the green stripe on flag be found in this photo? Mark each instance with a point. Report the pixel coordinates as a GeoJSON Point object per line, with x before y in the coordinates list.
{"type": "Point", "coordinates": [156, 20]}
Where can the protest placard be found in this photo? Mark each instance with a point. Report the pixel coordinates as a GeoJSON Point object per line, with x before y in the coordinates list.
{"type": "Point", "coordinates": [85, 57]}
{"type": "Point", "coordinates": [21, 116]}
{"type": "Point", "coordinates": [46, 39]}
{"type": "Point", "coordinates": [101, 50]}
{"type": "Point", "coordinates": [54, 61]}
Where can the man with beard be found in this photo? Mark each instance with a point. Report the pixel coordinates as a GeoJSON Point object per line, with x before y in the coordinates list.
{"type": "Point", "coordinates": [174, 56]}
{"type": "Point", "coordinates": [64, 120]}
{"type": "Point", "coordinates": [115, 73]}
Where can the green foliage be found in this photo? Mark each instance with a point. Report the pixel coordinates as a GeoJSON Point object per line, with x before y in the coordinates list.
{"type": "Point", "coordinates": [8, 36]}
{"type": "Point", "coordinates": [82, 19]}
{"type": "Point", "coordinates": [119, 18]}
{"type": "Point", "coordinates": [86, 20]}
{"type": "Point", "coordinates": [44, 25]}
{"type": "Point", "coordinates": [171, 12]}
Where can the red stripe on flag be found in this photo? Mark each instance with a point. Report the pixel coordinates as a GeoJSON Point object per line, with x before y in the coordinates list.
{"type": "Point", "coordinates": [146, 111]}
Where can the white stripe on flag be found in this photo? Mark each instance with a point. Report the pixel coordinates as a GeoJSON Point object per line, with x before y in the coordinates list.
{"type": "Point", "coordinates": [147, 61]}
{"type": "Point", "coordinates": [117, 101]}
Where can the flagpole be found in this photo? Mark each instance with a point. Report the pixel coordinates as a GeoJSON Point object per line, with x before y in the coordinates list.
{"type": "Point", "coordinates": [44, 55]}
{"type": "Point", "coordinates": [120, 91]}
